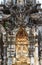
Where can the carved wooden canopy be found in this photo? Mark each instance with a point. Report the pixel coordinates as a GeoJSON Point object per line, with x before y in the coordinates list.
{"type": "Point", "coordinates": [22, 35]}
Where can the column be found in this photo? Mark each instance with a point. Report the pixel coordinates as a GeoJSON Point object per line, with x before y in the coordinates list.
{"type": "Point", "coordinates": [13, 1]}
{"type": "Point", "coordinates": [4, 49]}
{"type": "Point", "coordinates": [36, 58]}
{"type": "Point", "coordinates": [32, 60]}
{"type": "Point", "coordinates": [0, 57]}
{"type": "Point", "coordinates": [0, 50]}
{"type": "Point", "coordinates": [25, 1]}
{"type": "Point", "coordinates": [5, 54]}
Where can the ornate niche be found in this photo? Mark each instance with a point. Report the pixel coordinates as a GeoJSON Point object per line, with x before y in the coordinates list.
{"type": "Point", "coordinates": [22, 46]}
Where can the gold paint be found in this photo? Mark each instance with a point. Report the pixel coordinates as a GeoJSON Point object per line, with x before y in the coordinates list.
{"type": "Point", "coordinates": [22, 47]}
